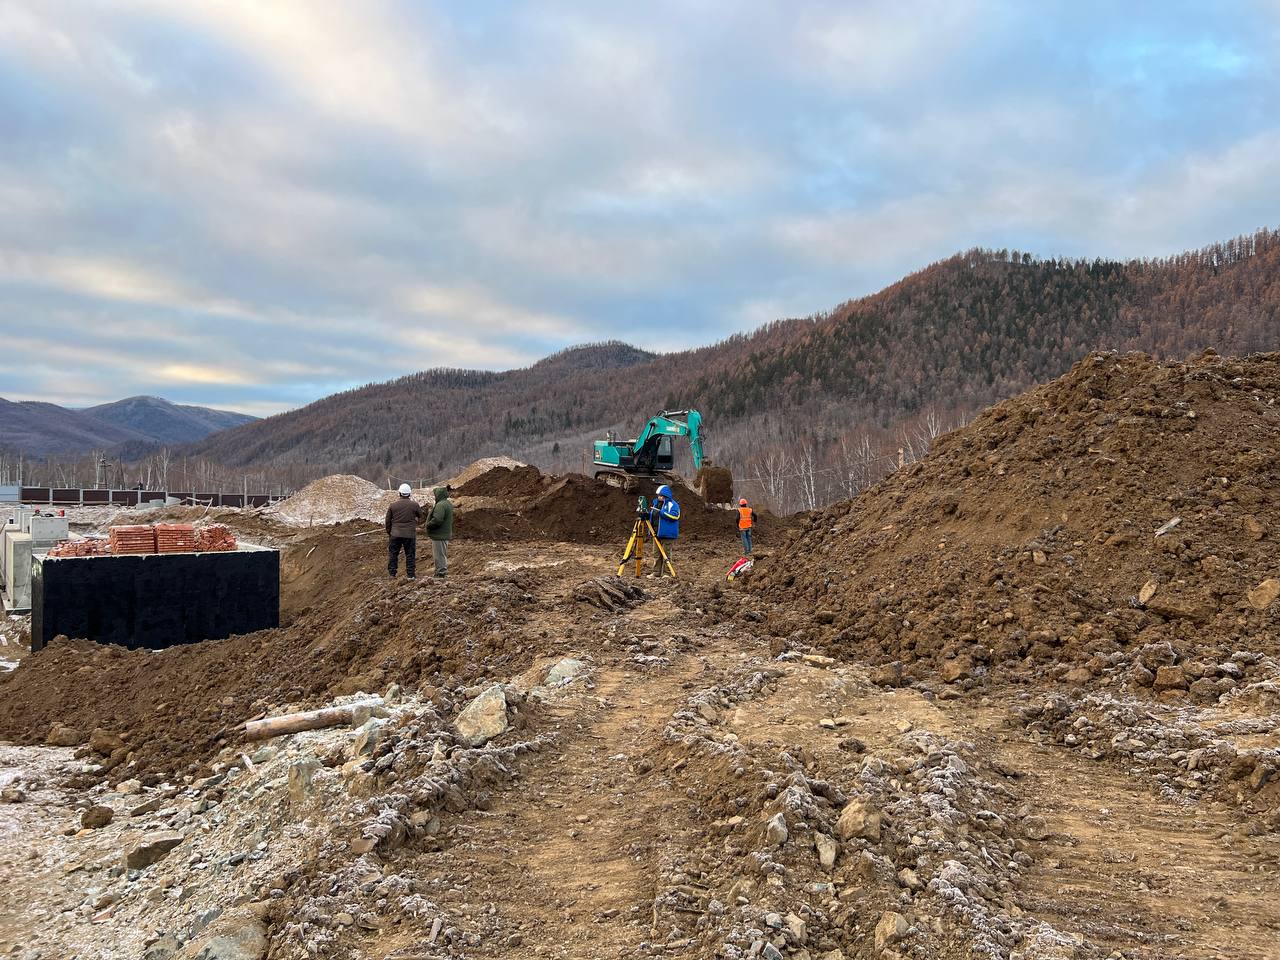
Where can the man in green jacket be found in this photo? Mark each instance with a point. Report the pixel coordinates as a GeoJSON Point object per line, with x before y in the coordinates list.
{"type": "Point", "coordinates": [440, 530]}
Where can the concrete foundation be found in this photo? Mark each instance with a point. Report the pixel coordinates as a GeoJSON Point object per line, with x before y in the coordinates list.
{"type": "Point", "coordinates": [155, 601]}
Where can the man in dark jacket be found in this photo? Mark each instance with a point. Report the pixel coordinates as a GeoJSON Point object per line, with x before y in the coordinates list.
{"type": "Point", "coordinates": [402, 533]}
{"type": "Point", "coordinates": [440, 530]}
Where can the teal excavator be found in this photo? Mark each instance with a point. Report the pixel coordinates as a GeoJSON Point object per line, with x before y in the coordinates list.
{"type": "Point", "coordinates": [649, 456]}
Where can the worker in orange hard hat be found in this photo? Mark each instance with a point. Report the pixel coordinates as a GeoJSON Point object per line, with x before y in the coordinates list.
{"type": "Point", "coordinates": [746, 520]}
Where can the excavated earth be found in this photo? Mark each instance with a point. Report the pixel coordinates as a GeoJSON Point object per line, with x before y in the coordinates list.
{"type": "Point", "coordinates": [924, 729]}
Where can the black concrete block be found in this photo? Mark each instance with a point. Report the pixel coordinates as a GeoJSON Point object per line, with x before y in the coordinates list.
{"type": "Point", "coordinates": [155, 600]}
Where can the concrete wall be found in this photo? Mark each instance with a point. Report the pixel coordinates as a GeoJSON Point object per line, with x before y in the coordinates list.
{"type": "Point", "coordinates": [156, 600]}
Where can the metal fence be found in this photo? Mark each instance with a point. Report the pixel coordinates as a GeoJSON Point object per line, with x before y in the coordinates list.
{"type": "Point", "coordinates": [82, 497]}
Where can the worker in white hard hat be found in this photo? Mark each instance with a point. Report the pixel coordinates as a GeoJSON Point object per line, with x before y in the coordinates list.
{"type": "Point", "coordinates": [403, 518]}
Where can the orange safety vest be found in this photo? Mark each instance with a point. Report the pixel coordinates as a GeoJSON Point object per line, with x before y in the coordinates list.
{"type": "Point", "coordinates": [744, 518]}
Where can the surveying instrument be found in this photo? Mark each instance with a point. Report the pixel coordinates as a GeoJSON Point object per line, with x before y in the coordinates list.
{"type": "Point", "coordinates": [642, 532]}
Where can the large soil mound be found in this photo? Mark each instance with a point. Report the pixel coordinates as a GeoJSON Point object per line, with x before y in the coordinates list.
{"type": "Point", "coordinates": [1118, 520]}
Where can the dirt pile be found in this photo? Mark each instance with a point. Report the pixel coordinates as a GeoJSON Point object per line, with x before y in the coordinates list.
{"type": "Point", "coordinates": [480, 467]}
{"type": "Point", "coordinates": [523, 503]}
{"type": "Point", "coordinates": [1116, 524]}
{"type": "Point", "coordinates": [332, 499]}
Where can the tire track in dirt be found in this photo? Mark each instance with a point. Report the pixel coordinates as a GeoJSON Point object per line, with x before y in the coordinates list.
{"type": "Point", "coordinates": [568, 856]}
{"type": "Point", "coordinates": [1152, 876]}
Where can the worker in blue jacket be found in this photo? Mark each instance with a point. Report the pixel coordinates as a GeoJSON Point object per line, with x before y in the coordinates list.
{"type": "Point", "coordinates": [664, 516]}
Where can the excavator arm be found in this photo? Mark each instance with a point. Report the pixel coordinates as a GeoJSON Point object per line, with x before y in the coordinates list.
{"type": "Point", "coordinates": [647, 454]}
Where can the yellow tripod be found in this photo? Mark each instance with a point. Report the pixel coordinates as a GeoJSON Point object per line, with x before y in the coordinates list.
{"type": "Point", "coordinates": [641, 531]}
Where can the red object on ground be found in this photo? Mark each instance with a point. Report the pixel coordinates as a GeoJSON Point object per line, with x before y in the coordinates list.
{"type": "Point", "coordinates": [133, 538]}
{"type": "Point", "coordinates": [95, 547]}
{"type": "Point", "coordinates": [175, 538]}
{"type": "Point", "coordinates": [215, 538]}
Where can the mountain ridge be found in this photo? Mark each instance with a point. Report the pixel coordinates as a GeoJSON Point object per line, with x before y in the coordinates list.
{"type": "Point", "coordinates": [944, 341]}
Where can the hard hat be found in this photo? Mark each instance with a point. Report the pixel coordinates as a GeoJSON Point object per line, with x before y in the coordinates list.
{"type": "Point", "coordinates": [405, 490]}
{"type": "Point", "coordinates": [742, 502]}
{"type": "Point", "coordinates": [664, 491]}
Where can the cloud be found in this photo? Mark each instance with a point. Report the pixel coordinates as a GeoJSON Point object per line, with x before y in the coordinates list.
{"type": "Point", "coordinates": [253, 205]}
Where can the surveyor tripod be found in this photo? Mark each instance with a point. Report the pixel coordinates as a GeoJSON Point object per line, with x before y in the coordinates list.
{"type": "Point", "coordinates": [641, 532]}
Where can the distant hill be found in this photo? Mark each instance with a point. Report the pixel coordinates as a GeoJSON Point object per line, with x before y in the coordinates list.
{"type": "Point", "coordinates": [136, 423]}
{"type": "Point", "coordinates": [941, 343]}
{"type": "Point", "coordinates": [166, 422]}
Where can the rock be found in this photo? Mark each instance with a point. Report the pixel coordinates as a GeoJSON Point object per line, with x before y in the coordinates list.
{"type": "Point", "coordinates": [1141, 676]}
{"type": "Point", "coordinates": [1038, 558]}
{"type": "Point", "coordinates": [484, 718]}
{"type": "Point", "coordinates": [1078, 675]}
{"type": "Point", "coordinates": [128, 788]}
{"type": "Point", "coordinates": [367, 739]}
{"type": "Point", "coordinates": [236, 935]}
{"type": "Point", "coordinates": [957, 669]}
{"type": "Point", "coordinates": [775, 831]}
{"type": "Point", "coordinates": [564, 672]}
{"type": "Point", "coordinates": [163, 949]}
{"type": "Point", "coordinates": [301, 774]}
{"type": "Point", "coordinates": [104, 742]}
{"type": "Point", "coordinates": [150, 848]}
{"type": "Point", "coordinates": [344, 919]}
{"type": "Point", "coordinates": [891, 928]}
{"type": "Point", "coordinates": [1204, 691]}
{"type": "Point", "coordinates": [1036, 828]}
{"type": "Point", "coordinates": [1261, 774]}
{"type": "Point", "coordinates": [1148, 591]}
{"type": "Point", "coordinates": [888, 674]}
{"type": "Point", "coordinates": [836, 954]}
{"type": "Point", "coordinates": [96, 817]}
{"type": "Point", "coordinates": [1181, 608]}
{"type": "Point", "coordinates": [13, 795]}
{"type": "Point", "coordinates": [1253, 528]}
{"type": "Point", "coordinates": [63, 736]}
{"type": "Point", "coordinates": [1264, 594]}
{"type": "Point", "coordinates": [770, 952]}
{"type": "Point", "coordinates": [1170, 678]}
{"type": "Point", "coordinates": [797, 928]}
{"type": "Point", "coordinates": [827, 849]}
{"type": "Point", "coordinates": [147, 806]}
{"type": "Point", "coordinates": [909, 879]}
{"type": "Point", "coordinates": [860, 820]}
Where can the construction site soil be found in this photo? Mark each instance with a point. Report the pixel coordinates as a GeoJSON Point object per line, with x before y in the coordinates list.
{"type": "Point", "coordinates": [999, 706]}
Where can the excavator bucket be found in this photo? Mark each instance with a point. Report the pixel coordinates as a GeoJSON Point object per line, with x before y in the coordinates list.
{"type": "Point", "coordinates": [714, 484]}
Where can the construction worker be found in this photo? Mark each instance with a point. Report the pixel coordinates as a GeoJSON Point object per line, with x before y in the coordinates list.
{"type": "Point", "coordinates": [746, 520]}
{"type": "Point", "coordinates": [664, 516]}
{"type": "Point", "coordinates": [440, 530]}
{"type": "Point", "coordinates": [402, 521]}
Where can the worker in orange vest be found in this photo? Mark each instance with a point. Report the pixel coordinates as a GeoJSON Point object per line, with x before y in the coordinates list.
{"type": "Point", "coordinates": [746, 520]}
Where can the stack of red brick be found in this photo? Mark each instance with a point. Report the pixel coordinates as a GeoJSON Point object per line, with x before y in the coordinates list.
{"type": "Point", "coordinates": [215, 538]}
{"type": "Point", "coordinates": [96, 547]}
{"type": "Point", "coordinates": [133, 538]}
{"type": "Point", "coordinates": [175, 538]}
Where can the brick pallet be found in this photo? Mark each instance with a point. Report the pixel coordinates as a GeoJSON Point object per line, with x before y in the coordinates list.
{"type": "Point", "coordinates": [215, 538]}
{"type": "Point", "coordinates": [132, 538]}
{"type": "Point", "coordinates": [175, 538]}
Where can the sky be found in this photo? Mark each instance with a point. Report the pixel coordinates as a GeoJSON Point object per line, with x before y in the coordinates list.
{"type": "Point", "coordinates": [251, 205]}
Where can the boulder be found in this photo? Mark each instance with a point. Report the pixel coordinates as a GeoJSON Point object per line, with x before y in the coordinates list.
{"type": "Point", "coordinates": [957, 669]}
{"type": "Point", "coordinates": [1198, 610]}
{"type": "Point", "coordinates": [367, 738]}
{"type": "Point", "coordinates": [96, 817]}
{"type": "Point", "coordinates": [888, 674]}
{"type": "Point", "coordinates": [1264, 594]}
{"type": "Point", "coordinates": [301, 772]}
{"type": "Point", "coordinates": [484, 718]}
{"type": "Point", "coordinates": [1170, 678]}
{"type": "Point", "coordinates": [775, 831]}
{"type": "Point", "coordinates": [150, 848]}
{"type": "Point", "coordinates": [236, 935]}
{"type": "Point", "coordinates": [858, 820]}
{"type": "Point", "coordinates": [891, 928]}
{"type": "Point", "coordinates": [1148, 591]}
{"type": "Point", "coordinates": [827, 849]}
{"type": "Point", "coordinates": [64, 736]}
{"type": "Point", "coordinates": [104, 742]}
{"type": "Point", "coordinates": [564, 672]}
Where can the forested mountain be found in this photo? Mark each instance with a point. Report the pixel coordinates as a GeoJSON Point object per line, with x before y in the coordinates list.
{"type": "Point", "coordinates": [163, 421]}
{"type": "Point", "coordinates": [804, 409]}
{"type": "Point", "coordinates": [134, 424]}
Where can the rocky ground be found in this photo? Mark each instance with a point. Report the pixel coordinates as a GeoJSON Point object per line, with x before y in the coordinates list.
{"type": "Point", "coordinates": [547, 760]}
